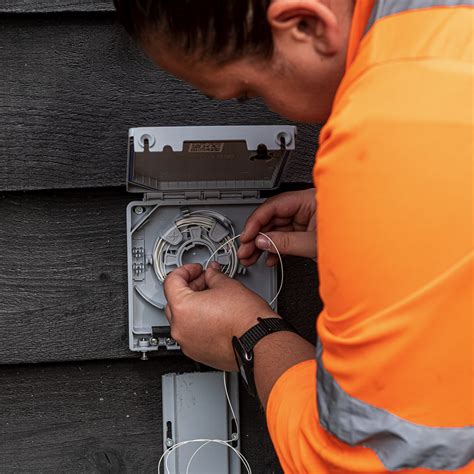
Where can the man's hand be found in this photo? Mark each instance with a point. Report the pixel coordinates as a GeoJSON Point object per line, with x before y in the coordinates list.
{"type": "Point", "coordinates": [206, 309]}
{"type": "Point", "coordinates": [289, 219]}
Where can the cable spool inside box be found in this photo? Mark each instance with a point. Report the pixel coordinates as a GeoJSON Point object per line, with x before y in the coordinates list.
{"type": "Point", "coordinates": [200, 234]}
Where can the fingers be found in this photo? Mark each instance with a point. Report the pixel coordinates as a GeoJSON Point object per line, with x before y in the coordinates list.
{"type": "Point", "coordinates": [216, 279]}
{"type": "Point", "coordinates": [199, 284]}
{"type": "Point", "coordinates": [283, 206]}
{"type": "Point", "coordinates": [290, 211]}
{"type": "Point", "coordinates": [301, 244]}
{"type": "Point", "coordinates": [248, 262]}
{"type": "Point", "coordinates": [249, 253]}
{"type": "Point", "coordinates": [272, 260]}
{"type": "Point", "coordinates": [179, 282]}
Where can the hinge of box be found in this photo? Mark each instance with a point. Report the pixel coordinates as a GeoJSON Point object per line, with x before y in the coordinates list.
{"type": "Point", "coordinates": [232, 194]}
{"type": "Point", "coordinates": [203, 195]}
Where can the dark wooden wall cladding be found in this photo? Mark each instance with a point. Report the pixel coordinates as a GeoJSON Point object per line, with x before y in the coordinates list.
{"type": "Point", "coordinates": [73, 86]}
{"type": "Point", "coordinates": [55, 6]}
{"type": "Point", "coordinates": [100, 418]}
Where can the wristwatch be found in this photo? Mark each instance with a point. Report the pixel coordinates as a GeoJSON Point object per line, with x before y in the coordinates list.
{"type": "Point", "coordinates": [243, 347]}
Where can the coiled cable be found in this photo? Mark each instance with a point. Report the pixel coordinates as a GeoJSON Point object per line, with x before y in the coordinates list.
{"type": "Point", "coordinates": [196, 229]}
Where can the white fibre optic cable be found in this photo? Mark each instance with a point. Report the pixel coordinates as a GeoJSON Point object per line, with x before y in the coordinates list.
{"type": "Point", "coordinates": [279, 258]}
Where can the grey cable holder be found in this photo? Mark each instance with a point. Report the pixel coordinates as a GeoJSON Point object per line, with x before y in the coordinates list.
{"type": "Point", "coordinates": [201, 234]}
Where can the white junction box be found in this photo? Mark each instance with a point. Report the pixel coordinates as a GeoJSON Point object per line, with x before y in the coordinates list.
{"type": "Point", "coordinates": [197, 187]}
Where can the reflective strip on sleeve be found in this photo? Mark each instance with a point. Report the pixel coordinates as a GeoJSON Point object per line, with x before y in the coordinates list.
{"type": "Point", "coordinates": [383, 8]}
{"type": "Point", "coordinates": [399, 444]}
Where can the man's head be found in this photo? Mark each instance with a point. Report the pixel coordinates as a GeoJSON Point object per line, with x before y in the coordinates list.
{"type": "Point", "coordinates": [291, 53]}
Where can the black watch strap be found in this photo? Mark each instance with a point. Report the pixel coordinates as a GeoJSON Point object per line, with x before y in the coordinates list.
{"type": "Point", "coordinates": [264, 327]}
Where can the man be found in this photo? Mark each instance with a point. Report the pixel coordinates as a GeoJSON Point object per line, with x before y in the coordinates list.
{"type": "Point", "coordinates": [391, 386]}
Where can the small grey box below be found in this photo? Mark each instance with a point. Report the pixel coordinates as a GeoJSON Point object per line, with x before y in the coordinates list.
{"type": "Point", "coordinates": [195, 406]}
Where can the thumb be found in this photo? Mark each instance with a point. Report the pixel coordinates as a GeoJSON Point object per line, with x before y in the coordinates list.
{"type": "Point", "coordinates": [180, 281]}
{"type": "Point", "coordinates": [216, 279]}
{"type": "Point", "coordinates": [301, 244]}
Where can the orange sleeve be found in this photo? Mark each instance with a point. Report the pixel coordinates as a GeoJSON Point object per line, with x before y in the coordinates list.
{"type": "Point", "coordinates": [302, 445]}
{"type": "Point", "coordinates": [291, 418]}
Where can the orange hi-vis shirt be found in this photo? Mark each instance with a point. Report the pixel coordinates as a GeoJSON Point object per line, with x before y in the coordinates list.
{"type": "Point", "coordinates": [392, 386]}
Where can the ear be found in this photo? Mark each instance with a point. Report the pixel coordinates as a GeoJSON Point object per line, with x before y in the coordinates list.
{"type": "Point", "coordinates": [307, 21]}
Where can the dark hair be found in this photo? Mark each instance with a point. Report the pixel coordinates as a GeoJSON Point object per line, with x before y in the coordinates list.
{"type": "Point", "coordinates": [220, 29]}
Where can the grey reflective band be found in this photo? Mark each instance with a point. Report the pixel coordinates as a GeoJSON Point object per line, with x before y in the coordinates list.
{"type": "Point", "coordinates": [383, 8]}
{"type": "Point", "coordinates": [399, 444]}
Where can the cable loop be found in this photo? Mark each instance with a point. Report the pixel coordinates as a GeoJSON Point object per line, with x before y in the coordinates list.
{"type": "Point", "coordinates": [166, 256]}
